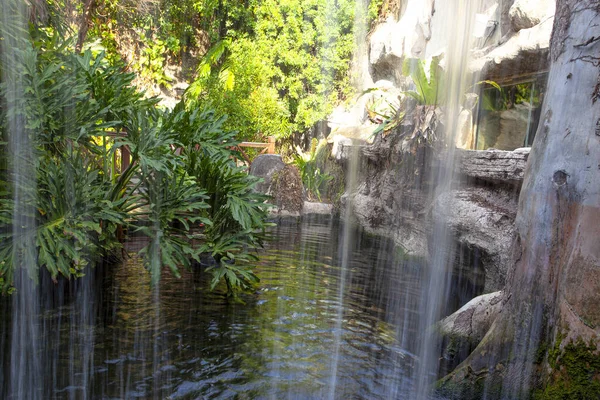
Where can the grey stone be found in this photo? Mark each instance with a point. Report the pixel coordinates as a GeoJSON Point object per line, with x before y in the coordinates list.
{"type": "Point", "coordinates": [264, 166]}
{"type": "Point", "coordinates": [493, 165]}
{"type": "Point", "coordinates": [526, 14]}
{"type": "Point", "coordinates": [317, 208]}
{"type": "Point", "coordinates": [525, 52]}
{"type": "Point", "coordinates": [288, 191]}
{"type": "Point", "coordinates": [473, 320]}
{"type": "Point", "coordinates": [342, 145]}
{"type": "Point", "coordinates": [463, 330]}
{"type": "Point", "coordinates": [481, 220]}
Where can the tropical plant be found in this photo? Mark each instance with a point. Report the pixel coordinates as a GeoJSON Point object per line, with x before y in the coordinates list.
{"type": "Point", "coordinates": [428, 89]}
{"type": "Point", "coordinates": [312, 177]}
{"type": "Point", "coordinates": [77, 112]}
{"type": "Point", "coordinates": [55, 205]}
{"type": "Point", "coordinates": [390, 120]}
{"type": "Point", "coordinates": [237, 213]}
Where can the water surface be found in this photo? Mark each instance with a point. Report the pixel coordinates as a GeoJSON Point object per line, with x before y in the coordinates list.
{"type": "Point", "coordinates": [120, 338]}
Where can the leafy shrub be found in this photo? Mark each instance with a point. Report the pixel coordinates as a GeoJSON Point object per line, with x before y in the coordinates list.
{"type": "Point", "coordinates": [237, 213]}
{"type": "Point", "coordinates": [312, 176]}
{"type": "Point", "coordinates": [73, 207]}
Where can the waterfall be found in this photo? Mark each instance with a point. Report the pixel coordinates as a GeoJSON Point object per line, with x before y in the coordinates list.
{"type": "Point", "coordinates": [25, 350]}
{"type": "Point", "coordinates": [460, 17]}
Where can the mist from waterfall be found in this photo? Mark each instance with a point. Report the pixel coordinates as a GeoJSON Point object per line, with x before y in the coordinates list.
{"type": "Point", "coordinates": [460, 18]}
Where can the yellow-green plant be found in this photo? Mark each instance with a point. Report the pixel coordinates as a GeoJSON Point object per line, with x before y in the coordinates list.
{"type": "Point", "coordinates": [312, 177]}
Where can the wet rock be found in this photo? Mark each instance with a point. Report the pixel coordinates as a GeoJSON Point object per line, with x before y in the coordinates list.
{"type": "Point", "coordinates": [552, 304]}
{"type": "Point", "coordinates": [342, 145]}
{"type": "Point", "coordinates": [493, 166]}
{"type": "Point", "coordinates": [462, 331]}
{"type": "Point", "coordinates": [525, 14]}
{"type": "Point", "coordinates": [264, 166]}
{"type": "Point", "coordinates": [481, 220]}
{"type": "Point", "coordinates": [317, 208]}
{"type": "Point", "coordinates": [392, 201]}
{"type": "Point", "coordinates": [393, 40]}
{"type": "Point", "coordinates": [525, 52]}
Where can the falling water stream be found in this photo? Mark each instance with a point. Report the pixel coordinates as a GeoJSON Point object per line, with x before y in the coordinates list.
{"type": "Point", "coordinates": [338, 313]}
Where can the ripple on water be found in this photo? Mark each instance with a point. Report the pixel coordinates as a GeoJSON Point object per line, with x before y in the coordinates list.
{"type": "Point", "coordinates": [180, 341]}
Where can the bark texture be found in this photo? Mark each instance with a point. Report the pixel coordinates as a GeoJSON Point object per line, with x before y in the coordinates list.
{"type": "Point", "coordinates": [552, 303]}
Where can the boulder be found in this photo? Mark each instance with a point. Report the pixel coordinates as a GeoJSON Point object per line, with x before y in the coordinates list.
{"type": "Point", "coordinates": [463, 330]}
{"type": "Point", "coordinates": [317, 208]}
{"type": "Point", "coordinates": [393, 40]}
{"type": "Point", "coordinates": [481, 221]}
{"type": "Point", "coordinates": [264, 166]}
{"type": "Point", "coordinates": [525, 52]}
{"type": "Point", "coordinates": [494, 166]}
{"type": "Point", "coordinates": [342, 145]}
{"type": "Point", "coordinates": [288, 191]}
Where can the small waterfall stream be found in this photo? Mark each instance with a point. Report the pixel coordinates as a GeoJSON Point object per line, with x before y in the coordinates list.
{"type": "Point", "coordinates": [340, 313]}
{"type": "Point", "coordinates": [460, 17]}
{"type": "Point", "coordinates": [25, 346]}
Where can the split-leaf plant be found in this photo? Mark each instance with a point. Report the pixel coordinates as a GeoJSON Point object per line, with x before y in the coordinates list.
{"type": "Point", "coordinates": [64, 205]}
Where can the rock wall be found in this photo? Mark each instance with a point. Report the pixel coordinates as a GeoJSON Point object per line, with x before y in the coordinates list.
{"type": "Point", "coordinates": [397, 201]}
{"type": "Point", "coordinates": [393, 195]}
{"type": "Point", "coordinates": [512, 38]}
{"type": "Point", "coordinates": [545, 340]}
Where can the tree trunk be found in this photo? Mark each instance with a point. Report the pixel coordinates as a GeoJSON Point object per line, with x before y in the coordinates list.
{"type": "Point", "coordinates": [84, 23]}
{"type": "Point", "coordinates": [551, 308]}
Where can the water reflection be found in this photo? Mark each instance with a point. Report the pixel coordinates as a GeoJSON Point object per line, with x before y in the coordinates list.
{"type": "Point", "coordinates": [182, 342]}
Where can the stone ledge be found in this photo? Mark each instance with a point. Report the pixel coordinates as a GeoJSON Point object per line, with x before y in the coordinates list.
{"type": "Point", "coordinates": [495, 166]}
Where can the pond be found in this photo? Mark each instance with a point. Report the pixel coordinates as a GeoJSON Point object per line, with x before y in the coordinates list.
{"type": "Point", "coordinates": [294, 337]}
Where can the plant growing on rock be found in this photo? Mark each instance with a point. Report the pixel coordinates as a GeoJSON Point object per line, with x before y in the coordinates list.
{"type": "Point", "coordinates": [428, 90]}
{"type": "Point", "coordinates": [312, 176]}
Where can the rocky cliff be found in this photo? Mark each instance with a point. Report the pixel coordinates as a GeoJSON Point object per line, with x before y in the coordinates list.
{"type": "Point", "coordinates": [545, 340]}
{"type": "Point", "coordinates": [393, 195]}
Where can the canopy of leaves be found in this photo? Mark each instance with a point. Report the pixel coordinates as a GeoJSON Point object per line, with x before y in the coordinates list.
{"type": "Point", "coordinates": [286, 73]}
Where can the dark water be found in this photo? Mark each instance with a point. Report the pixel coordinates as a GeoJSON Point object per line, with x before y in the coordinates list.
{"type": "Point", "coordinates": [115, 337]}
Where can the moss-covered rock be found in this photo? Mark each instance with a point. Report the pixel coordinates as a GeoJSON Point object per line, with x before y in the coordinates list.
{"type": "Point", "coordinates": [575, 372]}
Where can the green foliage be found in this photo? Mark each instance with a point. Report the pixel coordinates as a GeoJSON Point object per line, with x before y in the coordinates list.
{"type": "Point", "coordinates": [64, 210]}
{"type": "Point", "coordinates": [428, 89]}
{"type": "Point", "coordinates": [276, 67]}
{"type": "Point", "coordinates": [312, 177]}
{"type": "Point", "coordinates": [374, 9]}
{"type": "Point", "coordinates": [506, 98]}
{"type": "Point", "coordinates": [391, 120]}
{"type": "Point", "coordinates": [76, 206]}
{"type": "Point", "coordinates": [237, 213]}
{"type": "Point", "coordinates": [151, 62]}
{"type": "Point", "coordinates": [174, 204]}
{"type": "Point", "coordinates": [288, 72]}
